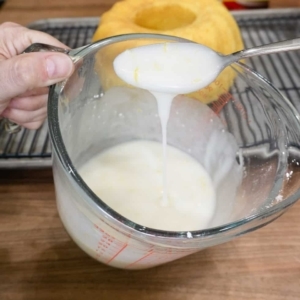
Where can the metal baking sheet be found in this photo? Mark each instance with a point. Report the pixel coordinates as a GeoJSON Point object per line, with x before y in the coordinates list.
{"type": "Point", "coordinates": [32, 148]}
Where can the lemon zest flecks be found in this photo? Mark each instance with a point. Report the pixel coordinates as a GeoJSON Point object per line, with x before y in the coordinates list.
{"type": "Point", "coordinates": [165, 47]}
{"type": "Point", "coordinates": [196, 80]}
{"type": "Point", "coordinates": [136, 74]}
{"type": "Point", "coordinates": [203, 183]}
{"type": "Point", "coordinates": [157, 66]}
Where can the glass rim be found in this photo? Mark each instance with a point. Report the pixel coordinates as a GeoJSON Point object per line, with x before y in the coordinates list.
{"type": "Point", "coordinates": [59, 148]}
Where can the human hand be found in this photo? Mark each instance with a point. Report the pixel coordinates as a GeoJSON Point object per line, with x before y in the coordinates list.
{"type": "Point", "coordinates": [24, 79]}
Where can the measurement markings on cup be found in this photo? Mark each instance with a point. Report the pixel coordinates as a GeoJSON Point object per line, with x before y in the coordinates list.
{"type": "Point", "coordinates": [137, 254]}
{"type": "Point", "coordinates": [150, 252]}
{"type": "Point", "coordinates": [155, 257]}
{"type": "Point", "coordinates": [108, 246]}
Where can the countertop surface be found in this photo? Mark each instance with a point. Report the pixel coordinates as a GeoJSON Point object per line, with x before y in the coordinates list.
{"type": "Point", "coordinates": [38, 260]}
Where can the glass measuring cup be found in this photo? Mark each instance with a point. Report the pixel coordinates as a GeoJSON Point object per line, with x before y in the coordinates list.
{"type": "Point", "coordinates": [94, 110]}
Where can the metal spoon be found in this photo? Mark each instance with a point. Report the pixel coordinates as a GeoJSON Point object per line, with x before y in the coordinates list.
{"type": "Point", "coordinates": [224, 60]}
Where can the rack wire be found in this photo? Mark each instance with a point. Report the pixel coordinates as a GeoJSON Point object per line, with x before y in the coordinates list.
{"type": "Point", "coordinates": [32, 148]}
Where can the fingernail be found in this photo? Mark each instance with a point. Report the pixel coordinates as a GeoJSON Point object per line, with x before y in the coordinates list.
{"type": "Point", "coordinates": [59, 66]}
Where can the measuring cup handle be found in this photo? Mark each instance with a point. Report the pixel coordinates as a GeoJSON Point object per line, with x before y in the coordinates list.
{"type": "Point", "coordinates": [9, 126]}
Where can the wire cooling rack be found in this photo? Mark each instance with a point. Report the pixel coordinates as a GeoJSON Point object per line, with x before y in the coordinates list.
{"type": "Point", "coordinates": [31, 148]}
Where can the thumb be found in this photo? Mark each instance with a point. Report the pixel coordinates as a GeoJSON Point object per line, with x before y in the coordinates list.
{"type": "Point", "coordinates": [25, 72]}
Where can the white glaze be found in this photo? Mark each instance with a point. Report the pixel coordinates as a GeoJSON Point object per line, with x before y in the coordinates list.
{"type": "Point", "coordinates": [128, 178]}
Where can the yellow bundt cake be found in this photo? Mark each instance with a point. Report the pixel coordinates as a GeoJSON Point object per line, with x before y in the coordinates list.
{"type": "Point", "coordinates": [204, 21]}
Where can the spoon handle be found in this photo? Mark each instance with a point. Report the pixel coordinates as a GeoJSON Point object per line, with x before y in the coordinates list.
{"type": "Point", "coordinates": [287, 45]}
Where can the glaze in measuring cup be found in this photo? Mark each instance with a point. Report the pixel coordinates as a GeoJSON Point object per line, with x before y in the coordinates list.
{"type": "Point", "coordinates": [94, 110]}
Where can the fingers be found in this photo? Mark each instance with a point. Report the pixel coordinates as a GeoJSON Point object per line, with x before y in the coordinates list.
{"type": "Point", "coordinates": [35, 92]}
{"type": "Point", "coordinates": [29, 112]}
{"type": "Point", "coordinates": [25, 72]}
{"type": "Point", "coordinates": [33, 125]}
{"type": "Point", "coordinates": [32, 103]}
{"type": "Point", "coordinates": [28, 75]}
{"type": "Point", "coordinates": [21, 117]}
{"type": "Point", "coordinates": [14, 39]}
{"type": "Point", "coordinates": [33, 36]}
